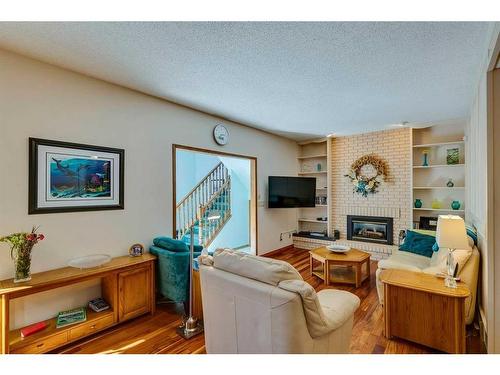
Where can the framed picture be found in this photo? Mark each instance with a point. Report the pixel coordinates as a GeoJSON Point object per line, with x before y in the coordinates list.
{"type": "Point", "coordinates": [66, 177]}
{"type": "Point", "coordinates": [452, 156]}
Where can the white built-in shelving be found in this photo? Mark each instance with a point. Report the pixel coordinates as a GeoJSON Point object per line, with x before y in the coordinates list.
{"type": "Point", "coordinates": [313, 161]}
{"type": "Point", "coordinates": [439, 166]}
{"type": "Point", "coordinates": [429, 182]}
{"type": "Point", "coordinates": [319, 156]}
{"type": "Point", "coordinates": [306, 220]}
{"type": "Point", "coordinates": [439, 144]}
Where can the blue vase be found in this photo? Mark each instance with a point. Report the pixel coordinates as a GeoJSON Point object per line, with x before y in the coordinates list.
{"type": "Point", "coordinates": [455, 205]}
{"type": "Point", "coordinates": [418, 203]}
{"type": "Point", "coordinates": [425, 162]}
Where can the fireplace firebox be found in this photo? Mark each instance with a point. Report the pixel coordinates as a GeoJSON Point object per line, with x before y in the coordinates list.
{"type": "Point", "coordinates": [370, 229]}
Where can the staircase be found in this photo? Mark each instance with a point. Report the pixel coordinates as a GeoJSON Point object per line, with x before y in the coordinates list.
{"type": "Point", "coordinates": [206, 208]}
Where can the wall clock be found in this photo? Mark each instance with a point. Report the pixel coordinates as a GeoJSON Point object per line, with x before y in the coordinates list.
{"type": "Point", "coordinates": [221, 135]}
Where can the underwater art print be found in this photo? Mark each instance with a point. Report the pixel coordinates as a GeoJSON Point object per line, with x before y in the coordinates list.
{"type": "Point", "coordinates": [74, 177]}
{"type": "Point", "coordinates": [78, 177]}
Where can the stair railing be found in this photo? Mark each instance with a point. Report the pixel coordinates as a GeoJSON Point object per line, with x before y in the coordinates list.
{"type": "Point", "coordinates": [215, 214]}
{"type": "Point", "coordinates": [187, 209]}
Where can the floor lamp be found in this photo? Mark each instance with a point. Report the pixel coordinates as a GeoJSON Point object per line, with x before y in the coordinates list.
{"type": "Point", "coordinates": [192, 327]}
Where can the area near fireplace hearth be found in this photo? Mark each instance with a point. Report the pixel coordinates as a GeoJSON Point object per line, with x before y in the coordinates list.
{"type": "Point", "coordinates": [374, 222]}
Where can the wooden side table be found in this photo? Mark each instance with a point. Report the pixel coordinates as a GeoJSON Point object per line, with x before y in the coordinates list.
{"type": "Point", "coordinates": [418, 307]}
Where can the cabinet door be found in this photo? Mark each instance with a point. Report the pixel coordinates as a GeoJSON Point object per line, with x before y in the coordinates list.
{"type": "Point", "coordinates": [134, 289]}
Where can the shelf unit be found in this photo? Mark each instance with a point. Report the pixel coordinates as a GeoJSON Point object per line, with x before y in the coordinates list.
{"type": "Point", "coordinates": [438, 166]}
{"type": "Point", "coordinates": [429, 183]}
{"type": "Point", "coordinates": [127, 284]}
{"type": "Point", "coordinates": [313, 221]}
{"type": "Point", "coordinates": [313, 161]}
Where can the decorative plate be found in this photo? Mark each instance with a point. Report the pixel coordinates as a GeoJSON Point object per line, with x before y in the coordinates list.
{"type": "Point", "coordinates": [338, 248]}
{"type": "Point", "coordinates": [89, 261]}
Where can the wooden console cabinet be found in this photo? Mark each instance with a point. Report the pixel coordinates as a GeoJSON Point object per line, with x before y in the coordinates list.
{"type": "Point", "coordinates": [128, 285]}
{"type": "Point", "coordinates": [419, 308]}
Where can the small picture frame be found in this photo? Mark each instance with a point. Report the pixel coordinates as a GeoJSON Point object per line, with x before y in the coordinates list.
{"type": "Point", "coordinates": [452, 156]}
{"type": "Point", "coordinates": [136, 250]}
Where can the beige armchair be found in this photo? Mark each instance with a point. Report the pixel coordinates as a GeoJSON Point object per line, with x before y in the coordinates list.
{"type": "Point", "coordinates": [259, 305]}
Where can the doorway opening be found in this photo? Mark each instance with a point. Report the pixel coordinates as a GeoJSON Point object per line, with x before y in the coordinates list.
{"type": "Point", "coordinates": [214, 199]}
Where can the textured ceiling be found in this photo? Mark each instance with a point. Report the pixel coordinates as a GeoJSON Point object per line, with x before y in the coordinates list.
{"type": "Point", "coordinates": [294, 79]}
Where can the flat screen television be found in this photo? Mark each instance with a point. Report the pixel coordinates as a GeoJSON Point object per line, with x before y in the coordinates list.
{"type": "Point", "coordinates": [290, 192]}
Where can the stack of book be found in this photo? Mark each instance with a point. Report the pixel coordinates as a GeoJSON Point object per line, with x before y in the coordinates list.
{"type": "Point", "coordinates": [66, 318]}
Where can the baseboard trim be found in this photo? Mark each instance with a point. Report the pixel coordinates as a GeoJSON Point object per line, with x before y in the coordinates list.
{"type": "Point", "coordinates": [483, 328]}
{"type": "Point", "coordinates": [277, 251]}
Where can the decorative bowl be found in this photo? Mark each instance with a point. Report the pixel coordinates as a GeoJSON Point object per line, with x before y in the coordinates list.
{"type": "Point", "coordinates": [338, 248]}
{"type": "Point", "coordinates": [89, 261]}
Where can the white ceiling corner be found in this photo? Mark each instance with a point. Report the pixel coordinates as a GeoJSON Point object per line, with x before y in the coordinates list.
{"type": "Point", "coordinates": [298, 79]}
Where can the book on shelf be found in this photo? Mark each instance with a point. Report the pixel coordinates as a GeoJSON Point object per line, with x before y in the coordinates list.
{"type": "Point", "coordinates": [33, 328]}
{"type": "Point", "coordinates": [69, 317]}
{"type": "Point", "coordinates": [98, 304]}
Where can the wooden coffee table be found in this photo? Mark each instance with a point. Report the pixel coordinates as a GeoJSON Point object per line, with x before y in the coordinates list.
{"type": "Point", "coordinates": [345, 268]}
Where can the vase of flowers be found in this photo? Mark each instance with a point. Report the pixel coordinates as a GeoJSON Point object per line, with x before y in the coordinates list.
{"type": "Point", "coordinates": [21, 245]}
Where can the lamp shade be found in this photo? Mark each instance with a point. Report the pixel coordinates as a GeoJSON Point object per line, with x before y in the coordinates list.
{"type": "Point", "coordinates": [451, 232]}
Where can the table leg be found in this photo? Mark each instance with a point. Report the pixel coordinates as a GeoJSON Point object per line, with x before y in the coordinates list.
{"type": "Point", "coordinates": [326, 272]}
{"type": "Point", "coordinates": [310, 265]}
{"type": "Point", "coordinates": [358, 274]}
{"type": "Point", "coordinates": [368, 271]}
{"type": "Point", "coordinates": [387, 318]}
{"type": "Point", "coordinates": [4, 324]}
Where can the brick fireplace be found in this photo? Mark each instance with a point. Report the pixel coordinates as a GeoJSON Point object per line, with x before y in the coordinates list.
{"type": "Point", "coordinates": [393, 200]}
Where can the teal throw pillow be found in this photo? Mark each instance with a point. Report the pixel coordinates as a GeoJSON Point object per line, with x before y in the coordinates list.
{"type": "Point", "coordinates": [418, 243]}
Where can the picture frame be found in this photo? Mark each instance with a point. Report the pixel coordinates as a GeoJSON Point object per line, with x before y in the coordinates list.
{"type": "Point", "coordinates": [74, 177]}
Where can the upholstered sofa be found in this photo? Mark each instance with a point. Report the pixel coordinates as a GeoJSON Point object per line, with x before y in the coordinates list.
{"type": "Point", "coordinates": [259, 305]}
{"type": "Point", "coordinates": [468, 272]}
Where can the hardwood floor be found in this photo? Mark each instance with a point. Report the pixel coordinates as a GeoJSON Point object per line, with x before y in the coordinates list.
{"type": "Point", "coordinates": [156, 334]}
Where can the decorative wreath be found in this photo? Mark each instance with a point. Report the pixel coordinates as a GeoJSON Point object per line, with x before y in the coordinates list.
{"type": "Point", "coordinates": [365, 185]}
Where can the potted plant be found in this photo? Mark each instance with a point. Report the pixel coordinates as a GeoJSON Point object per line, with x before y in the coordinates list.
{"type": "Point", "coordinates": [21, 245]}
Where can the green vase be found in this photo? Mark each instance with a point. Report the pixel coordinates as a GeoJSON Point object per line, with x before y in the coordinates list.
{"type": "Point", "coordinates": [22, 263]}
{"type": "Point", "coordinates": [455, 205]}
{"type": "Point", "coordinates": [418, 203]}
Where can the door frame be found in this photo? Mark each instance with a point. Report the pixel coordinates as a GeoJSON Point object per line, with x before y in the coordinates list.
{"type": "Point", "coordinates": [254, 232]}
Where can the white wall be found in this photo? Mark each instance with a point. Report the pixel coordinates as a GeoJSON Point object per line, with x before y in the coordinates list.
{"type": "Point", "coordinates": [479, 201]}
{"type": "Point", "coordinates": [476, 182]}
{"type": "Point", "coordinates": [40, 100]}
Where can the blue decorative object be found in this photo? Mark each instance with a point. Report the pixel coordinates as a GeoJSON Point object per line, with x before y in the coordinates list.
{"type": "Point", "coordinates": [418, 203]}
{"type": "Point", "coordinates": [455, 205]}
{"type": "Point", "coordinates": [425, 162]}
{"type": "Point", "coordinates": [472, 233]}
{"type": "Point", "coordinates": [418, 243]}
{"type": "Point", "coordinates": [318, 167]}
